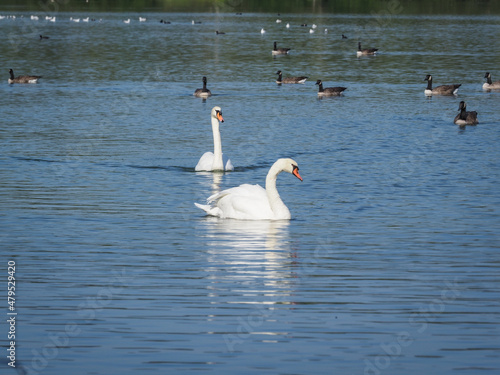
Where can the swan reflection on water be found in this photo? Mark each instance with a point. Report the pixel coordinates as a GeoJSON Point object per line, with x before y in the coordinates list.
{"type": "Point", "coordinates": [211, 180]}
{"type": "Point", "coordinates": [248, 249]}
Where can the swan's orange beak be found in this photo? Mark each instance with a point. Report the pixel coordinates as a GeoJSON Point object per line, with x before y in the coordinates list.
{"type": "Point", "coordinates": [219, 116]}
{"type": "Point", "coordinates": [295, 172]}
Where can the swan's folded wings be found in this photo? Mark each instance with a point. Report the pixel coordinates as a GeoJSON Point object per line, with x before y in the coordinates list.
{"type": "Point", "coordinates": [207, 160]}
{"type": "Point", "coordinates": [242, 202]}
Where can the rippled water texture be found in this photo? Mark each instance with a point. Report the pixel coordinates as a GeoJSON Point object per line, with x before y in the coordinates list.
{"type": "Point", "coordinates": [390, 264]}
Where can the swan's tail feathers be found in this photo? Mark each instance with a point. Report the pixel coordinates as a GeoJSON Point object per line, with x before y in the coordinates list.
{"type": "Point", "coordinates": [212, 211]}
{"type": "Point", "coordinates": [229, 165]}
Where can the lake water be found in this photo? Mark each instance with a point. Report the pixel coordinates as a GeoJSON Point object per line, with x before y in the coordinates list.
{"type": "Point", "coordinates": [390, 264]}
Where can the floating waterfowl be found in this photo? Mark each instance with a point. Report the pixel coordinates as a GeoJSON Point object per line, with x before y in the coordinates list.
{"type": "Point", "coordinates": [489, 84]}
{"type": "Point", "coordinates": [280, 80]}
{"type": "Point", "coordinates": [253, 202]}
{"type": "Point", "coordinates": [22, 79]}
{"type": "Point", "coordinates": [366, 51]}
{"type": "Point", "coordinates": [215, 161]}
{"type": "Point", "coordinates": [329, 91]}
{"type": "Point", "coordinates": [464, 117]}
{"type": "Point", "coordinates": [440, 90]}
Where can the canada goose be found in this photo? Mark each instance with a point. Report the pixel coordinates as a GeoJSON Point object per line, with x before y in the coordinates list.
{"type": "Point", "coordinates": [366, 51]}
{"type": "Point", "coordinates": [43, 37]}
{"type": "Point", "coordinates": [204, 92]}
{"type": "Point", "coordinates": [22, 79]}
{"type": "Point", "coordinates": [281, 80]}
{"type": "Point", "coordinates": [219, 32]}
{"type": "Point", "coordinates": [464, 117]}
{"type": "Point", "coordinates": [440, 90]}
{"type": "Point", "coordinates": [279, 51]}
{"type": "Point", "coordinates": [329, 91]}
{"type": "Point", "coordinates": [489, 85]}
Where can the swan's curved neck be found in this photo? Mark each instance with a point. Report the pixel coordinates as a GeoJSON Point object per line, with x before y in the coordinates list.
{"type": "Point", "coordinates": [279, 209]}
{"type": "Point", "coordinates": [217, 164]}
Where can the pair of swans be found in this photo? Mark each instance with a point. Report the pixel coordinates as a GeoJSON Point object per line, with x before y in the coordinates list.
{"type": "Point", "coordinates": [244, 202]}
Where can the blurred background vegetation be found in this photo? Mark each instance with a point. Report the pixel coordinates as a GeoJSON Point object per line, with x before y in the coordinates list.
{"type": "Point", "coordinates": [457, 7]}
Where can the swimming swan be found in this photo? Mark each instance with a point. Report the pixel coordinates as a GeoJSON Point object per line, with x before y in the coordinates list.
{"type": "Point", "coordinates": [212, 161]}
{"type": "Point", "coordinates": [252, 202]}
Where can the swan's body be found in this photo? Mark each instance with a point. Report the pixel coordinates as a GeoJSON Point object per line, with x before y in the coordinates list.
{"type": "Point", "coordinates": [281, 80]}
{"type": "Point", "coordinates": [329, 91]}
{"type": "Point", "coordinates": [366, 51]}
{"type": "Point", "coordinates": [464, 117]}
{"type": "Point", "coordinates": [203, 92]}
{"type": "Point", "coordinates": [440, 90]}
{"type": "Point", "coordinates": [489, 84]}
{"type": "Point", "coordinates": [252, 202]}
{"type": "Point", "coordinates": [279, 51]}
{"type": "Point", "coordinates": [22, 79]}
{"type": "Point", "coordinates": [213, 161]}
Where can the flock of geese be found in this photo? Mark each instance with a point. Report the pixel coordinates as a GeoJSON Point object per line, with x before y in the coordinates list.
{"type": "Point", "coordinates": [253, 202]}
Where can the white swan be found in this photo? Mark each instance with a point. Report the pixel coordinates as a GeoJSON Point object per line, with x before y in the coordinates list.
{"type": "Point", "coordinates": [252, 202]}
{"type": "Point", "coordinates": [213, 161]}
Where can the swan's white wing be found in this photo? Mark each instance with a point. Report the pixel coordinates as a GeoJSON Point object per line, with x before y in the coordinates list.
{"type": "Point", "coordinates": [245, 202]}
{"type": "Point", "coordinates": [206, 162]}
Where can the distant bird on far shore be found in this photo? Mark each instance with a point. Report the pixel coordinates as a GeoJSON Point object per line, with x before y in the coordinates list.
{"type": "Point", "coordinates": [43, 37]}
{"type": "Point", "coordinates": [343, 36]}
{"type": "Point", "coordinates": [219, 32]}
{"type": "Point", "coordinates": [262, 31]}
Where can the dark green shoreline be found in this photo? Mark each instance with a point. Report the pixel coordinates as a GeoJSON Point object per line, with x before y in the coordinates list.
{"type": "Point", "coordinates": [383, 7]}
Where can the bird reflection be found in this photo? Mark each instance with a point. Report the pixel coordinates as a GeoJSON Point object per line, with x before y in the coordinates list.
{"type": "Point", "coordinates": [212, 180]}
{"type": "Point", "coordinates": [250, 249]}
